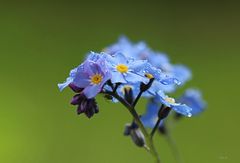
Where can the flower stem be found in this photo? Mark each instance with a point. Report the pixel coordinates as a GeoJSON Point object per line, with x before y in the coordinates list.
{"type": "Point", "coordinates": [137, 98]}
{"type": "Point", "coordinates": [132, 110]}
{"type": "Point", "coordinates": [155, 128]}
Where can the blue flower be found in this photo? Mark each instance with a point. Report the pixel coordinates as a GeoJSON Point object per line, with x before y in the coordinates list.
{"type": "Point", "coordinates": [159, 60]}
{"type": "Point", "coordinates": [193, 98]}
{"type": "Point", "coordinates": [138, 51]}
{"type": "Point", "coordinates": [91, 76]}
{"type": "Point", "coordinates": [150, 117]}
{"type": "Point", "coordinates": [170, 102]}
{"type": "Point", "coordinates": [180, 72]}
{"type": "Point", "coordinates": [161, 80]}
{"type": "Point", "coordinates": [125, 70]}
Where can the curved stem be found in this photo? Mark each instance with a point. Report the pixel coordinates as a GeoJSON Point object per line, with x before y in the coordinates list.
{"type": "Point", "coordinates": [131, 109]}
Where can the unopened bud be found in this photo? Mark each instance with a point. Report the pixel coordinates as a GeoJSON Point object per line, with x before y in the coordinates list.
{"type": "Point", "coordinates": [138, 137]}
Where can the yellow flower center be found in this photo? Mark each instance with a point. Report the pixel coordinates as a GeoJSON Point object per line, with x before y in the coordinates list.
{"type": "Point", "coordinates": [122, 68]}
{"type": "Point", "coordinates": [96, 79]}
{"type": "Point", "coordinates": [170, 100]}
{"type": "Point", "coordinates": [149, 76]}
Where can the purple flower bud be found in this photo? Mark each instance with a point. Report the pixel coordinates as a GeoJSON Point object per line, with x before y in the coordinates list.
{"type": "Point", "coordinates": [85, 105]}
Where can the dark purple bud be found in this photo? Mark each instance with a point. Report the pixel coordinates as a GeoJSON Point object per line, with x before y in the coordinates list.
{"type": "Point", "coordinates": [76, 100]}
{"type": "Point", "coordinates": [85, 105]}
{"type": "Point", "coordinates": [91, 108]}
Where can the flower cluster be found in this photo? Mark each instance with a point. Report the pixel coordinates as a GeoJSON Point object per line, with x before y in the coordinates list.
{"type": "Point", "coordinates": [124, 72]}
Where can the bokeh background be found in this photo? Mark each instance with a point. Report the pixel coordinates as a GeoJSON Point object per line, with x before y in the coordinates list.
{"type": "Point", "coordinates": [41, 41]}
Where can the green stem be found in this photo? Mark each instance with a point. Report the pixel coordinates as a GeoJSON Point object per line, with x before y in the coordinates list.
{"type": "Point", "coordinates": [131, 109]}
{"type": "Point", "coordinates": [155, 128]}
{"type": "Point", "coordinates": [137, 98]}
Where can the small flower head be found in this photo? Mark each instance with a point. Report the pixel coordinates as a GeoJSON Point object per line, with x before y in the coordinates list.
{"type": "Point", "coordinates": [171, 103]}
{"type": "Point", "coordinates": [125, 70]}
{"type": "Point", "coordinates": [90, 76]}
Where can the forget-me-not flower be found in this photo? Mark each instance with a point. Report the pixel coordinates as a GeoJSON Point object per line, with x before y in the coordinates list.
{"type": "Point", "coordinates": [91, 76]}
{"type": "Point", "coordinates": [125, 70]}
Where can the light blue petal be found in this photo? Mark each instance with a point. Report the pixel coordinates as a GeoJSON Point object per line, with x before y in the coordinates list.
{"type": "Point", "coordinates": [193, 99]}
{"type": "Point", "coordinates": [70, 79]}
{"type": "Point", "coordinates": [182, 109]}
{"type": "Point", "coordinates": [117, 77]}
{"type": "Point", "coordinates": [92, 90]}
{"type": "Point", "coordinates": [138, 65]}
{"type": "Point", "coordinates": [82, 79]}
{"type": "Point", "coordinates": [134, 78]}
{"type": "Point", "coordinates": [182, 73]}
{"type": "Point", "coordinates": [61, 86]}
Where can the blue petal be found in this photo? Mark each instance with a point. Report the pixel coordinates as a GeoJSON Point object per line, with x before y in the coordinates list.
{"type": "Point", "coordinates": [61, 86]}
{"type": "Point", "coordinates": [138, 65]}
{"type": "Point", "coordinates": [134, 78]}
{"type": "Point", "coordinates": [117, 77]}
{"type": "Point", "coordinates": [170, 80]}
{"type": "Point", "coordinates": [70, 79]}
{"type": "Point", "coordinates": [182, 73]}
{"type": "Point", "coordinates": [81, 80]}
{"type": "Point", "coordinates": [92, 90]}
{"type": "Point", "coordinates": [193, 98]}
{"type": "Point", "coordinates": [118, 58]}
{"type": "Point", "coordinates": [182, 109]}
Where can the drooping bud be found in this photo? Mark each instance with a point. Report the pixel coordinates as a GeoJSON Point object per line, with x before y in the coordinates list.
{"type": "Point", "coordinates": [136, 134]}
{"type": "Point", "coordinates": [138, 137]}
{"type": "Point", "coordinates": [85, 105]}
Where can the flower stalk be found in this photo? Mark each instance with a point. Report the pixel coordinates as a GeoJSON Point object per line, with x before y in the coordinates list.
{"type": "Point", "coordinates": [135, 115]}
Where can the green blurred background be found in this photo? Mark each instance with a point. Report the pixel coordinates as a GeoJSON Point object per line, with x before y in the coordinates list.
{"type": "Point", "coordinates": [41, 41]}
